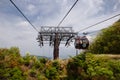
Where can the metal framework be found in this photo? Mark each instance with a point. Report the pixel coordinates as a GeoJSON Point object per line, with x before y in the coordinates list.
{"type": "Point", "coordinates": [55, 35]}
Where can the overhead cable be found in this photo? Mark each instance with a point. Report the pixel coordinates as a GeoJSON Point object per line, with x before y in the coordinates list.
{"type": "Point", "coordinates": [24, 15]}
{"type": "Point", "coordinates": [99, 22]}
{"type": "Point", "coordinates": [67, 13]}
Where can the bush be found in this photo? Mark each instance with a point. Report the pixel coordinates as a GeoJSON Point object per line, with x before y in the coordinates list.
{"type": "Point", "coordinates": [115, 67]}
{"type": "Point", "coordinates": [107, 41]}
{"type": "Point", "coordinates": [91, 67]}
{"type": "Point", "coordinates": [33, 73]}
{"type": "Point", "coordinates": [16, 74]}
{"type": "Point", "coordinates": [76, 68]}
{"type": "Point", "coordinates": [51, 73]}
{"type": "Point", "coordinates": [85, 66]}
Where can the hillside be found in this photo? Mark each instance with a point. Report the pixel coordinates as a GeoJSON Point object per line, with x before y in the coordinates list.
{"type": "Point", "coordinates": [108, 41]}
{"type": "Point", "coordinates": [85, 66]}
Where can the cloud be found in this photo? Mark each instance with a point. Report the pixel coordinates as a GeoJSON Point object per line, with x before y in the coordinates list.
{"type": "Point", "coordinates": [117, 6]}
{"type": "Point", "coordinates": [32, 9]}
{"type": "Point", "coordinates": [16, 31]}
{"type": "Point", "coordinates": [92, 7]}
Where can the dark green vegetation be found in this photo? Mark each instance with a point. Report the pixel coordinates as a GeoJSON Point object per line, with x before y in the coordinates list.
{"type": "Point", "coordinates": [85, 66]}
{"type": "Point", "coordinates": [15, 67]}
{"type": "Point", "coordinates": [108, 41]}
{"type": "Point", "coordinates": [90, 67]}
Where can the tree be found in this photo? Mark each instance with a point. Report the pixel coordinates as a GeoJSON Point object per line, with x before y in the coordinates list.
{"type": "Point", "coordinates": [108, 41]}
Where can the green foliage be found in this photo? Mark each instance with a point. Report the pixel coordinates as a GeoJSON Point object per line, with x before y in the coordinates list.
{"type": "Point", "coordinates": [27, 59]}
{"type": "Point", "coordinates": [41, 77]}
{"type": "Point", "coordinates": [9, 57]}
{"type": "Point", "coordinates": [11, 74]}
{"type": "Point", "coordinates": [115, 67]}
{"type": "Point", "coordinates": [108, 41]}
{"type": "Point", "coordinates": [16, 74]}
{"type": "Point", "coordinates": [54, 70]}
{"type": "Point", "coordinates": [33, 73]}
{"type": "Point", "coordinates": [51, 73]}
{"type": "Point", "coordinates": [90, 67]}
{"type": "Point", "coordinates": [97, 67]}
{"type": "Point", "coordinates": [9, 65]}
{"type": "Point", "coordinates": [85, 66]}
{"type": "Point", "coordinates": [76, 68]}
{"type": "Point", "coordinates": [43, 60]}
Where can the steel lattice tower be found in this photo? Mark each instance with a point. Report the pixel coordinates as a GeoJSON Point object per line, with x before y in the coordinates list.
{"type": "Point", "coordinates": [55, 35]}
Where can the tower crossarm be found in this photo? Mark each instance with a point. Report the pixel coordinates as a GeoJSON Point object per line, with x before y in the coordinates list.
{"type": "Point", "coordinates": [47, 33]}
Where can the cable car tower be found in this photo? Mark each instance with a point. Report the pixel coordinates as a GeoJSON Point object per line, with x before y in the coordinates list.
{"type": "Point", "coordinates": [54, 36]}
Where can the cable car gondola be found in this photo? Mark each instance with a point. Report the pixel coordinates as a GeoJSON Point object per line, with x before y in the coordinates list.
{"type": "Point", "coordinates": [81, 42]}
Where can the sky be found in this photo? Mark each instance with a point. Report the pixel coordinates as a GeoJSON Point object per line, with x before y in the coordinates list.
{"type": "Point", "coordinates": [16, 31]}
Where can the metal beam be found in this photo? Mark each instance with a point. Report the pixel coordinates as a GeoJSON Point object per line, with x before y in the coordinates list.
{"type": "Point", "coordinates": [55, 35]}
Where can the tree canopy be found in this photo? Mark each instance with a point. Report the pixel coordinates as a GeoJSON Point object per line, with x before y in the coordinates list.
{"type": "Point", "coordinates": [108, 41]}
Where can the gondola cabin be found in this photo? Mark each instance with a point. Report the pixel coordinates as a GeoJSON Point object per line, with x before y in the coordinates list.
{"type": "Point", "coordinates": [81, 42]}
